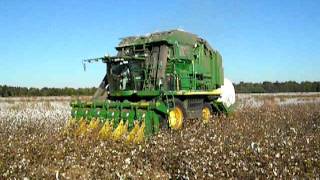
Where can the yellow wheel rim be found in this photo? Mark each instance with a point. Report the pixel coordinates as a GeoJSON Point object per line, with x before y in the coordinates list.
{"type": "Point", "coordinates": [206, 115]}
{"type": "Point", "coordinates": [176, 118]}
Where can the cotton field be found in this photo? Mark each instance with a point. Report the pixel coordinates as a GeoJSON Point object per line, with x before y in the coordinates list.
{"type": "Point", "coordinates": [268, 136]}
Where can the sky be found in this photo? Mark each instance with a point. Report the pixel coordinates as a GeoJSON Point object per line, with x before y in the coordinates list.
{"type": "Point", "coordinates": [43, 43]}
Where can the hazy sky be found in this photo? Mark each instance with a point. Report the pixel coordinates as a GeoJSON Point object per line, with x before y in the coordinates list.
{"type": "Point", "coordinates": [42, 43]}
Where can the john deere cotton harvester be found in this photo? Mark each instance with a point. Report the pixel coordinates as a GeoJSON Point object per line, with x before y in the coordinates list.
{"type": "Point", "coordinates": [155, 81]}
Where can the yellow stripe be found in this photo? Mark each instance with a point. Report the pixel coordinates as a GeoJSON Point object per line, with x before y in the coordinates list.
{"type": "Point", "coordinates": [214, 92]}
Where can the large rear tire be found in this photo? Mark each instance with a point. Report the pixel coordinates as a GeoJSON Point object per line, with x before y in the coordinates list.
{"type": "Point", "coordinates": [207, 113]}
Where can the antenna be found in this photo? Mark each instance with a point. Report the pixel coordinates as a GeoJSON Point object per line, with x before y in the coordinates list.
{"type": "Point", "coordinates": [84, 65]}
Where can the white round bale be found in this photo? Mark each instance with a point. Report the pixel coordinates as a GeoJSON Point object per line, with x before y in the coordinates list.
{"type": "Point", "coordinates": [228, 96]}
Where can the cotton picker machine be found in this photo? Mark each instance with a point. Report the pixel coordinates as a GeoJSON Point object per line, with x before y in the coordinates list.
{"type": "Point", "coordinates": [156, 81]}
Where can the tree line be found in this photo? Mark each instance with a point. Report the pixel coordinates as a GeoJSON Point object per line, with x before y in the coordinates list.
{"type": "Point", "coordinates": [242, 87]}
{"type": "Point", "coordinates": [8, 91]}
{"type": "Point", "coordinates": [275, 87]}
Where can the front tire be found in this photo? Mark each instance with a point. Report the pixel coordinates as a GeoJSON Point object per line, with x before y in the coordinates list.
{"type": "Point", "coordinates": [177, 115]}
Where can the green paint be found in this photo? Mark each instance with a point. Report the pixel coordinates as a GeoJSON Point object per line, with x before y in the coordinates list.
{"type": "Point", "coordinates": [148, 73]}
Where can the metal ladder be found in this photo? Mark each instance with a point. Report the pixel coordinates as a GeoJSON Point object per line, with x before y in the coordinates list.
{"type": "Point", "coordinates": [150, 81]}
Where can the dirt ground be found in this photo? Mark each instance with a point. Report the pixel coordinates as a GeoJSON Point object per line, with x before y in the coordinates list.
{"type": "Point", "coordinates": [272, 140]}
